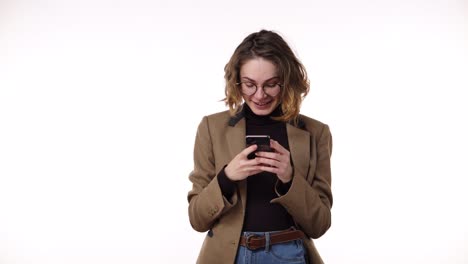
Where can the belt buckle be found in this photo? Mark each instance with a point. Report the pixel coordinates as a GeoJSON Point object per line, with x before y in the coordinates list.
{"type": "Point", "coordinates": [247, 241]}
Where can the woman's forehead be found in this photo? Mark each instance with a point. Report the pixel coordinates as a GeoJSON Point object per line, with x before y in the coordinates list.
{"type": "Point", "coordinates": [259, 69]}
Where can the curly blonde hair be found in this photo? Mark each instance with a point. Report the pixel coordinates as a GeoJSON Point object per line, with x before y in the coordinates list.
{"type": "Point", "coordinates": [293, 76]}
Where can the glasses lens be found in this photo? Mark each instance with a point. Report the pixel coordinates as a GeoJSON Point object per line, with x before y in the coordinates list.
{"type": "Point", "coordinates": [248, 88]}
{"type": "Point", "coordinates": [270, 89]}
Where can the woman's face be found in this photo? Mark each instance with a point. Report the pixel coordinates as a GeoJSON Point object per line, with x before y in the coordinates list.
{"type": "Point", "coordinates": [262, 74]}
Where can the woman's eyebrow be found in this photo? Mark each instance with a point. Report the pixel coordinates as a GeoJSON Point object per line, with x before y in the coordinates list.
{"type": "Point", "coordinates": [252, 80]}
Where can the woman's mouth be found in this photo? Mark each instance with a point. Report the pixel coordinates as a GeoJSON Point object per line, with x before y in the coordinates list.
{"type": "Point", "coordinates": [262, 105]}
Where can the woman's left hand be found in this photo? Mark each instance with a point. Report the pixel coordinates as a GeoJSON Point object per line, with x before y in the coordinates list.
{"type": "Point", "coordinates": [277, 162]}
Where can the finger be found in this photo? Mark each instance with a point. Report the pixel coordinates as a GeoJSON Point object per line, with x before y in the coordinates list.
{"type": "Point", "coordinates": [275, 156]}
{"type": "Point", "coordinates": [269, 155]}
{"type": "Point", "coordinates": [277, 146]}
{"type": "Point", "coordinates": [254, 169]}
{"type": "Point", "coordinates": [267, 161]}
{"type": "Point", "coordinates": [250, 163]}
{"type": "Point", "coordinates": [270, 169]}
{"type": "Point", "coordinates": [249, 150]}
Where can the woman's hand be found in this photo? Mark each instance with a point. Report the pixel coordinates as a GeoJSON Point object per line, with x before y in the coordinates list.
{"type": "Point", "coordinates": [278, 162]}
{"type": "Point", "coordinates": [241, 167]}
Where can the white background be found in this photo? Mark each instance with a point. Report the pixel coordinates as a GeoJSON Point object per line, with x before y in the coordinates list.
{"type": "Point", "coordinates": [100, 101]}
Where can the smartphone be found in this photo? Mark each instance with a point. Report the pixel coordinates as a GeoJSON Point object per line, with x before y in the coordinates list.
{"type": "Point", "coordinates": [262, 141]}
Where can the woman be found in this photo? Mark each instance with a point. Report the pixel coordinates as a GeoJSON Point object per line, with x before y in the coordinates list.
{"type": "Point", "coordinates": [265, 209]}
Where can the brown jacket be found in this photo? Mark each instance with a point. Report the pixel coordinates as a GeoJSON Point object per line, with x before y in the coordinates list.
{"type": "Point", "coordinates": [221, 137]}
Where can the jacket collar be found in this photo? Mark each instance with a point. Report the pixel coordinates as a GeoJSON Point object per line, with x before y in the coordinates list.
{"type": "Point", "coordinates": [239, 115]}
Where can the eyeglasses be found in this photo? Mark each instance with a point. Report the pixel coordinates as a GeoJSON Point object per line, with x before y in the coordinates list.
{"type": "Point", "coordinates": [250, 88]}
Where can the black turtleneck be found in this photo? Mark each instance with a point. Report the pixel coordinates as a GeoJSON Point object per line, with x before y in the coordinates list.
{"type": "Point", "coordinates": [260, 214]}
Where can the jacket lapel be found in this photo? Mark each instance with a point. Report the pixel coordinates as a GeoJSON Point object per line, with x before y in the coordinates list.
{"type": "Point", "coordinates": [235, 136]}
{"type": "Point", "coordinates": [299, 148]}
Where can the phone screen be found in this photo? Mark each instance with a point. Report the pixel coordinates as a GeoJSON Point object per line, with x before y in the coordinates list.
{"type": "Point", "coordinates": [262, 141]}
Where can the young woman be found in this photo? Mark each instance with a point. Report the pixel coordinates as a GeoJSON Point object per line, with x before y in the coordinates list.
{"type": "Point", "coordinates": [264, 209]}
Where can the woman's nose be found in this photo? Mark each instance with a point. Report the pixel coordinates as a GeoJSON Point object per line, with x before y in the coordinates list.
{"type": "Point", "coordinates": [260, 93]}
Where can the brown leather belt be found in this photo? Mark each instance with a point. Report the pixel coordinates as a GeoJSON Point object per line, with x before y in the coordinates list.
{"type": "Point", "coordinates": [254, 242]}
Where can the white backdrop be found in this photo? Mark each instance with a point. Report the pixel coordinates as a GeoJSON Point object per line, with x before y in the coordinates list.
{"type": "Point", "coordinates": [100, 100]}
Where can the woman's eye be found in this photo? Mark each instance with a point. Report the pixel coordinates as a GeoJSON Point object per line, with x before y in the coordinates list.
{"type": "Point", "coordinates": [271, 85]}
{"type": "Point", "coordinates": [250, 85]}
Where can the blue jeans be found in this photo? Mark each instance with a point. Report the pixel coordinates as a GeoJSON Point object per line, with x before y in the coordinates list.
{"type": "Point", "coordinates": [288, 252]}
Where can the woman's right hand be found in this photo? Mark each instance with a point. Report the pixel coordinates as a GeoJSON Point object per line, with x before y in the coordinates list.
{"type": "Point", "coordinates": [241, 167]}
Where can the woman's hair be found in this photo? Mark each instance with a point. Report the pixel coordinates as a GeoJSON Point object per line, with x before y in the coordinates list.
{"type": "Point", "coordinates": [293, 76]}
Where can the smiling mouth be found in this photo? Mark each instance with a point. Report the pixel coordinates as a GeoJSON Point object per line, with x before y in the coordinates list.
{"type": "Point", "coordinates": [262, 103]}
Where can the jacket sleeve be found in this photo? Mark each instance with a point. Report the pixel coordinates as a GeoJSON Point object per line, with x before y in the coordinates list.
{"type": "Point", "coordinates": [206, 201]}
{"type": "Point", "coordinates": [309, 199]}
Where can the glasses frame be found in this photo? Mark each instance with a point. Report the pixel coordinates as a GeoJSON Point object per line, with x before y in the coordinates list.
{"type": "Point", "coordinates": [256, 88]}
